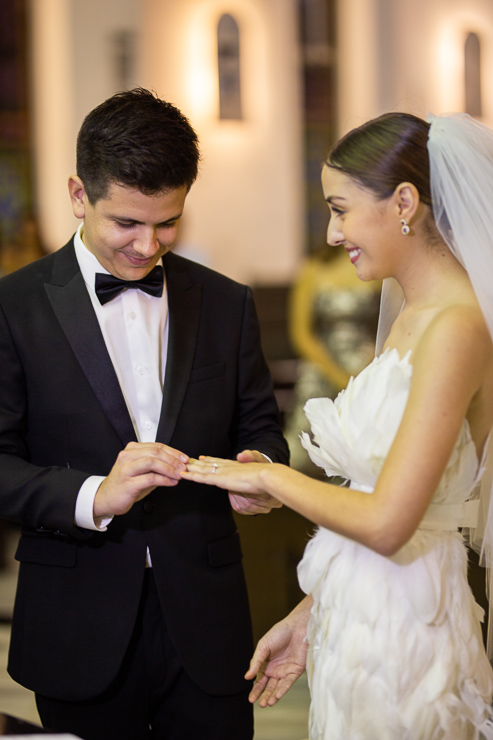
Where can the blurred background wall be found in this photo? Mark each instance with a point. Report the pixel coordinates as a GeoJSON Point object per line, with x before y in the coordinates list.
{"type": "Point", "coordinates": [269, 85]}
{"type": "Point", "coordinates": [301, 71]}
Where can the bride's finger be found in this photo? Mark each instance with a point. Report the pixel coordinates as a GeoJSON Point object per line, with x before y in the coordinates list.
{"type": "Point", "coordinates": [257, 689]}
{"type": "Point", "coordinates": [218, 460]}
{"type": "Point", "coordinates": [268, 697]}
{"type": "Point", "coordinates": [202, 472]}
{"type": "Point", "coordinates": [200, 466]}
{"type": "Point", "coordinates": [201, 477]}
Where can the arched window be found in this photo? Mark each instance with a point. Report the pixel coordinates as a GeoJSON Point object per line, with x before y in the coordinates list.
{"type": "Point", "coordinates": [472, 75]}
{"type": "Point", "coordinates": [124, 44]}
{"type": "Point", "coordinates": [228, 62]}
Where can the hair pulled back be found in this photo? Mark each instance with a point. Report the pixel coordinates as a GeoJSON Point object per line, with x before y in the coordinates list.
{"type": "Point", "coordinates": [137, 140]}
{"type": "Point", "coordinates": [384, 152]}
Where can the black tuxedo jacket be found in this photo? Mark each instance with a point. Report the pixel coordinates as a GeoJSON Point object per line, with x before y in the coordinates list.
{"type": "Point", "coordinates": [63, 418]}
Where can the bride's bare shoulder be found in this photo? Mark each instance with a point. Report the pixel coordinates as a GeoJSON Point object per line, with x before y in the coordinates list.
{"type": "Point", "coordinates": [457, 328]}
{"type": "Point", "coordinates": [465, 316]}
{"type": "Point", "coordinates": [440, 330]}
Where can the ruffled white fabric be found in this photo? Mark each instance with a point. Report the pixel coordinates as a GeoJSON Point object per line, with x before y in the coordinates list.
{"type": "Point", "coordinates": [460, 151]}
{"type": "Point", "coordinates": [396, 649]}
{"type": "Point", "coordinates": [461, 176]}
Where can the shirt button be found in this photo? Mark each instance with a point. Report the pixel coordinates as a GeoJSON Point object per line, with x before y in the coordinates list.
{"type": "Point", "coordinates": [132, 315]}
{"type": "Point", "coordinates": [148, 425]}
{"type": "Point", "coordinates": [140, 370]}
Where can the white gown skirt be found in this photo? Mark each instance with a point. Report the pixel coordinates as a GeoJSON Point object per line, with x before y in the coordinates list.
{"type": "Point", "coordinates": [395, 644]}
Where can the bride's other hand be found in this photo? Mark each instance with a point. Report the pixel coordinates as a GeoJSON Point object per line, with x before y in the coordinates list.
{"type": "Point", "coordinates": [280, 657]}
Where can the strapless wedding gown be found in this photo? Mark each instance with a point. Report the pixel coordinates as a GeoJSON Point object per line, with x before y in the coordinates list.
{"type": "Point", "coordinates": [395, 645]}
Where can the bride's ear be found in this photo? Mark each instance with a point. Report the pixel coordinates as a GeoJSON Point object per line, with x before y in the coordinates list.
{"type": "Point", "coordinates": [406, 199]}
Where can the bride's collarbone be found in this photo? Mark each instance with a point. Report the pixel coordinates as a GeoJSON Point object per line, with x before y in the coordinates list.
{"type": "Point", "coordinates": [405, 334]}
{"type": "Point", "coordinates": [413, 323]}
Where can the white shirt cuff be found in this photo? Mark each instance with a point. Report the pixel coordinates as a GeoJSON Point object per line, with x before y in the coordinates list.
{"type": "Point", "coordinates": [84, 507]}
{"type": "Point", "coordinates": [266, 456]}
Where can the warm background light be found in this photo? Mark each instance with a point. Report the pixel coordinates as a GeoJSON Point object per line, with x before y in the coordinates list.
{"type": "Point", "coordinates": [246, 214]}
{"type": "Point", "coordinates": [53, 107]}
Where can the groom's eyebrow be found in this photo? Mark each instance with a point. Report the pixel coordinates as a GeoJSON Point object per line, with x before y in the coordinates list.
{"type": "Point", "coordinates": [136, 222]}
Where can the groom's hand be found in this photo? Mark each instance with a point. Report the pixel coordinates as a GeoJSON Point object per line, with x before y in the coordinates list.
{"type": "Point", "coordinates": [139, 469]}
{"type": "Point", "coordinates": [251, 505]}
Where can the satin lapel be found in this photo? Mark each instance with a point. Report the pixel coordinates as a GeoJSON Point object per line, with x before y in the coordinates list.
{"type": "Point", "coordinates": [184, 303]}
{"type": "Point", "coordinates": [72, 306]}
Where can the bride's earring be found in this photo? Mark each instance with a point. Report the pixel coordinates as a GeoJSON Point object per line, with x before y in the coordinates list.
{"type": "Point", "coordinates": [405, 229]}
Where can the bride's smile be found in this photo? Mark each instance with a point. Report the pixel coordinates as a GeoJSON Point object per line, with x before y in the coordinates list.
{"type": "Point", "coordinates": [367, 228]}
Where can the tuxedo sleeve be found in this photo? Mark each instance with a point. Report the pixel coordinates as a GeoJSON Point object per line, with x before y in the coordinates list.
{"type": "Point", "coordinates": [39, 497]}
{"type": "Point", "coordinates": [257, 415]}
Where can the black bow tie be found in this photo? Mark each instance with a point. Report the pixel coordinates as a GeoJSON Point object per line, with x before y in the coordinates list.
{"type": "Point", "coordinates": [109, 286]}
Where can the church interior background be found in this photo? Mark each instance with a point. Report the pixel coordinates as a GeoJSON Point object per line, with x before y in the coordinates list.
{"type": "Point", "coordinates": [269, 85]}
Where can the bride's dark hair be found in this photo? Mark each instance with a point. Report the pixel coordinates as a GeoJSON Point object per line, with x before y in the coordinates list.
{"type": "Point", "coordinates": [384, 152]}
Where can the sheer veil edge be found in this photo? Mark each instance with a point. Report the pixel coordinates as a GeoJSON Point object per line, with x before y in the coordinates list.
{"type": "Point", "coordinates": [461, 173]}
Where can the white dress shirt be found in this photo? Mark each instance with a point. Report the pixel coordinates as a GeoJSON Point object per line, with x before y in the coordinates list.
{"type": "Point", "coordinates": [135, 330]}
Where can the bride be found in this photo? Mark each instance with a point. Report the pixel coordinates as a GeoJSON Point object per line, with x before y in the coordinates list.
{"type": "Point", "coordinates": [389, 630]}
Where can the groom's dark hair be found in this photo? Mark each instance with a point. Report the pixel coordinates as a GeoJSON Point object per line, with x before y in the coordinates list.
{"type": "Point", "coordinates": [137, 140]}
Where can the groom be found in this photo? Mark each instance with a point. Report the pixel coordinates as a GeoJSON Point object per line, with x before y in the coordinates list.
{"type": "Point", "coordinates": [118, 360]}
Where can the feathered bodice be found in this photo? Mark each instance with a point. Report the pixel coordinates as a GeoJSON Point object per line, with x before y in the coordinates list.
{"type": "Point", "coordinates": [353, 434]}
{"type": "Point", "coordinates": [395, 644]}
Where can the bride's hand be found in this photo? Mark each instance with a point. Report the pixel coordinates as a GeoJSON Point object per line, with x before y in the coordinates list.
{"type": "Point", "coordinates": [235, 476]}
{"type": "Point", "coordinates": [246, 504]}
{"type": "Point", "coordinates": [280, 657]}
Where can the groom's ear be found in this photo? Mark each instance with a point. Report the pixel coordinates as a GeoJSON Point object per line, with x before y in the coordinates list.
{"type": "Point", "coordinates": [77, 192]}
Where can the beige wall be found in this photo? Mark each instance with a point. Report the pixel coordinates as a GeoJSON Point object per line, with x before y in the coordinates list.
{"type": "Point", "coordinates": [245, 211]}
{"type": "Point", "coordinates": [397, 55]}
{"type": "Point", "coordinates": [72, 70]}
{"type": "Point", "coordinates": [244, 216]}
{"type": "Point", "coordinates": [53, 113]}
